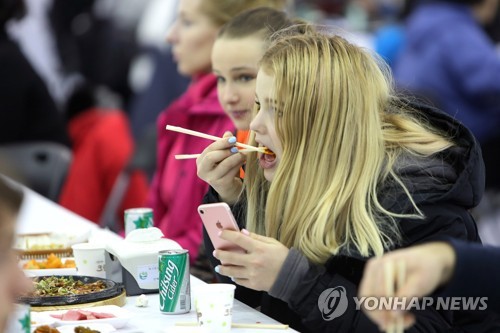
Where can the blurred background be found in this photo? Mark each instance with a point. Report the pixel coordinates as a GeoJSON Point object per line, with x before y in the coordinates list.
{"type": "Point", "coordinates": [108, 60]}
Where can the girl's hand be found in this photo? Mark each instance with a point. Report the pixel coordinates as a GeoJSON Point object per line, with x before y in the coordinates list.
{"type": "Point", "coordinates": [219, 165]}
{"type": "Point", "coordinates": [259, 267]}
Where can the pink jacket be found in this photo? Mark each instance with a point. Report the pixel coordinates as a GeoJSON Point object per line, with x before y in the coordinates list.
{"type": "Point", "coordinates": [176, 191]}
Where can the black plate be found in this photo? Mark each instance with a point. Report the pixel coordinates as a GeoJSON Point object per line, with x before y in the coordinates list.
{"type": "Point", "coordinates": [113, 289]}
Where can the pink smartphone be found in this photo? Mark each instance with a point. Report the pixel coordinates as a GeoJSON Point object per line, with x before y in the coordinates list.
{"type": "Point", "coordinates": [217, 217]}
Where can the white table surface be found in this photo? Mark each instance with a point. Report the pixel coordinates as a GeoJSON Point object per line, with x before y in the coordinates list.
{"type": "Point", "coordinates": [39, 214]}
{"type": "Point", "coordinates": [151, 320]}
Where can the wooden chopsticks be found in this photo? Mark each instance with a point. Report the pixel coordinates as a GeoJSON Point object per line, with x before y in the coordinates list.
{"type": "Point", "coordinates": [209, 137]}
{"type": "Point", "coordinates": [190, 156]}
{"type": "Point", "coordinates": [397, 273]}
{"type": "Point", "coordinates": [236, 325]}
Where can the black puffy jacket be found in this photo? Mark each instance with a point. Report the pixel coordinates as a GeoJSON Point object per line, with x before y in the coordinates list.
{"type": "Point", "coordinates": [444, 188]}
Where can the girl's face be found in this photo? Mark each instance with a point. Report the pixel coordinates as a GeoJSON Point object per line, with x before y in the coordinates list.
{"type": "Point", "coordinates": [192, 37]}
{"type": "Point", "coordinates": [264, 124]}
{"type": "Point", "coordinates": [234, 62]}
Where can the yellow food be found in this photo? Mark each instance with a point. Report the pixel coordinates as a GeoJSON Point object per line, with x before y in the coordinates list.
{"type": "Point", "coordinates": [52, 261]}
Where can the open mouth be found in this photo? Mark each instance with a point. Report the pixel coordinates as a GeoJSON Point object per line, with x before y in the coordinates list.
{"type": "Point", "coordinates": [269, 155]}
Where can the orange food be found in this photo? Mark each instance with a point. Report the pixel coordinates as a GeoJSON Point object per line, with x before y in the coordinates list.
{"type": "Point", "coordinates": [52, 261]}
{"type": "Point", "coordinates": [69, 263]}
{"type": "Point", "coordinates": [268, 151]}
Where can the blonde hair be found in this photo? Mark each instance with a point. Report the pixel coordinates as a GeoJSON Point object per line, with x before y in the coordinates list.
{"type": "Point", "coordinates": [342, 132]}
{"type": "Point", "coordinates": [222, 11]}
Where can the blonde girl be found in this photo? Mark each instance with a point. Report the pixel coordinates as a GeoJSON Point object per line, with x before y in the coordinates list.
{"type": "Point", "coordinates": [355, 172]}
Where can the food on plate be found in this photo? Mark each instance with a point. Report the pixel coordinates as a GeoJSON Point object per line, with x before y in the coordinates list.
{"type": "Point", "coordinates": [52, 261]}
{"type": "Point", "coordinates": [40, 242]}
{"type": "Point", "coordinates": [61, 286]}
{"type": "Point", "coordinates": [78, 329]}
{"type": "Point", "coordinates": [76, 315]}
{"type": "Point", "coordinates": [81, 329]}
{"type": "Point", "coordinates": [51, 246]}
{"type": "Point", "coordinates": [45, 329]}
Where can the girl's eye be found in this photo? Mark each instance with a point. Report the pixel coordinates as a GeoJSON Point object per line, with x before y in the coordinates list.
{"type": "Point", "coordinates": [220, 79]}
{"type": "Point", "coordinates": [246, 78]}
{"type": "Point", "coordinates": [258, 105]}
{"type": "Point", "coordinates": [186, 22]}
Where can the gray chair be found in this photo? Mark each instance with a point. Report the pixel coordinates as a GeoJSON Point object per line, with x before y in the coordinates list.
{"type": "Point", "coordinates": [41, 166]}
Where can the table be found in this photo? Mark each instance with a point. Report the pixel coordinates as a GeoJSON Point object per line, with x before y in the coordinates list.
{"type": "Point", "coordinates": [151, 320]}
{"type": "Point", "coordinates": [39, 214]}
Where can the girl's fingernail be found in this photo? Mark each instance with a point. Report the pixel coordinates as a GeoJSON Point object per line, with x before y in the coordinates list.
{"type": "Point", "coordinates": [213, 253]}
{"type": "Point", "coordinates": [219, 233]}
{"type": "Point", "coordinates": [217, 269]}
{"type": "Point", "coordinates": [245, 232]}
{"type": "Point", "coordinates": [232, 279]}
{"type": "Point", "coordinates": [234, 150]}
{"type": "Point", "coordinates": [232, 139]}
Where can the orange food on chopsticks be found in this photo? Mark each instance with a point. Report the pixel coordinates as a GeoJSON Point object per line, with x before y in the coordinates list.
{"type": "Point", "coordinates": [268, 151]}
{"type": "Point", "coordinates": [52, 261]}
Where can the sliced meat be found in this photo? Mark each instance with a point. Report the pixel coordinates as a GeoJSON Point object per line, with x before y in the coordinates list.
{"type": "Point", "coordinates": [103, 315]}
{"type": "Point", "coordinates": [72, 315]}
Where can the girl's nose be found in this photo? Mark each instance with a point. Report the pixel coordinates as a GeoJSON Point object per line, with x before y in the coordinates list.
{"type": "Point", "coordinates": [172, 35]}
{"type": "Point", "coordinates": [230, 95]}
{"type": "Point", "coordinates": [257, 124]}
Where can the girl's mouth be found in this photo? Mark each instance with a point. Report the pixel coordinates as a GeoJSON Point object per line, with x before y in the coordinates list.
{"type": "Point", "coordinates": [268, 159]}
{"type": "Point", "coordinates": [239, 114]}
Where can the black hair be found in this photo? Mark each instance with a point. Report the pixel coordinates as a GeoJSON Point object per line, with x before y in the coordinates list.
{"type": "Point", "coordinates": [11, 9]}
{"type": "Point", "coordinates": [82, 99]}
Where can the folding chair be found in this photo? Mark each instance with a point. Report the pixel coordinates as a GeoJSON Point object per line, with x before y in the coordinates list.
{"type": "Point", "coordinates": [41, 166]}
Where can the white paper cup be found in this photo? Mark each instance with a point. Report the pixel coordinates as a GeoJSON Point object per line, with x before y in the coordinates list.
{"type": "Point", "coordinates": [214, 306]}
{"type": "Point", "coordinates": [90, 259]}
{"type": "Point", "coordinates": [20, 319]}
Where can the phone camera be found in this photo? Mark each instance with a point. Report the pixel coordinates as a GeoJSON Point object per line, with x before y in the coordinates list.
{"type": "Point", "coordinates": [202, 211]}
